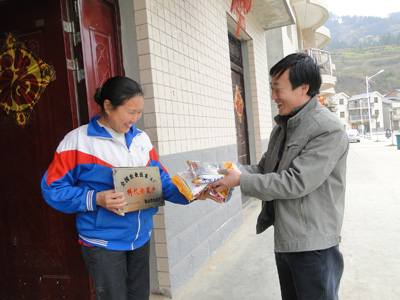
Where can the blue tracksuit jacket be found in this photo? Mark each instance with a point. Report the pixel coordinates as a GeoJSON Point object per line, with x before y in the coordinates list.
{"type": "Point", "coordinates": [82, 167]}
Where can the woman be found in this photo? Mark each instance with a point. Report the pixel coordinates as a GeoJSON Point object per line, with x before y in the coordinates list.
{"type": "Point", "coordinates": [115, 246]}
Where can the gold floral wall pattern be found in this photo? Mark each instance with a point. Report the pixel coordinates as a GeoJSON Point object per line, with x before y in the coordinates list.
{"type": "Point", "coordinates": [23, 78]}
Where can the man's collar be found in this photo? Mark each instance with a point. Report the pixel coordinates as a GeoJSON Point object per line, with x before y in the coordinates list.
{"type": "Point", "coordinates": [283, 119]}
{"type": "Point", "coordinates": [299, 108]}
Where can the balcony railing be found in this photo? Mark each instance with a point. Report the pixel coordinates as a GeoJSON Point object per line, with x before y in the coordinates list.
{"type": "Point", "coordinates": [396, 117]}
{"type": "Point", "coordinates": [365, 118]}
{"type": "Point", "coordinates": [356, 104]}
{"type": "Point", "coordinates": [355, 116]}
{"type": "Point", "coordinates": [321, 58]}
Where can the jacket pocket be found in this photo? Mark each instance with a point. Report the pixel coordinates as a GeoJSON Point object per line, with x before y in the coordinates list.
{"type": "Point", "coordinates": [108, 219]}
{"type": "Point", "coordinates": [294, 147]}
{"type": "Point", "coordinates": [291, 151]}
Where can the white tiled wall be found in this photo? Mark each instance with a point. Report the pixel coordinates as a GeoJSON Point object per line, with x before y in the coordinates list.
{"type": "Point", "coordinates": [184, 61]}
{"type": "Point", "coordinates": [185, 71]}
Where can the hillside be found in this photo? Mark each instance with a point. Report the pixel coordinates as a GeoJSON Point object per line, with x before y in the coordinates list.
{"type": "Point", "coordinates": [353, 31]}
{"type": "Point", "coordinates": [354, 64]}
{"type": "Point", "coordinates": [362, 46]}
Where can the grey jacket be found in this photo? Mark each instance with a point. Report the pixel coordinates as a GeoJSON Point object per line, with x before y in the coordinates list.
{"type": "Point", "coordinates": [309, 185]}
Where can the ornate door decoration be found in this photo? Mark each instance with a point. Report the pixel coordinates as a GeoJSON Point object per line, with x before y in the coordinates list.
{"type": "Point", "coordinates": [23, 78]}
{"type": "Point", "coordinates": [238, 103]}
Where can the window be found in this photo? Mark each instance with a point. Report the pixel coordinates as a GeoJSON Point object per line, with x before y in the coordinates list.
{"type": "Point", "coordinates": [342, 114]}
{"type": "Point", "coordinates": [341, 101]}
{"type": "Point", "coordinates": [376, 112]}
{"type": "Point", "coordinates": [376, 99]}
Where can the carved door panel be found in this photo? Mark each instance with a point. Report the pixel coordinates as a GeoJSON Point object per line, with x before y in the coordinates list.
{"type": "Point", "coordinates": [239, 100]}
{"type": "Point", "coordinates": [39, 252]}
{"type": "Point", "coordinates": [101, 54]}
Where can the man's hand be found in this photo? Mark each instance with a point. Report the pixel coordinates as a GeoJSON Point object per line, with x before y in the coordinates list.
{"type": "Point", "coordinates": [230, 180]}
{"type": "Point", "coordinates": [111, 200]}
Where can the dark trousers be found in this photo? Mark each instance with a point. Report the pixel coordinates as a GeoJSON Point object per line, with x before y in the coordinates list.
{"type": "Point", "coordinates": [312, 275]}
{"type": "Point", "coordinates": [119, 275]}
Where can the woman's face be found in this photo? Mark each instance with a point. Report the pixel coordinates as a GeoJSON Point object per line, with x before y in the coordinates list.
{"type": "Point", "coordinates": [121, 118]}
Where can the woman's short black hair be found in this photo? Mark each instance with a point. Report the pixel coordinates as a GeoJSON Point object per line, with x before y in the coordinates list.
{"type": "Point", "coordinates": [117, 90]}
{"type": "Point", "coordinates": [303, 70]}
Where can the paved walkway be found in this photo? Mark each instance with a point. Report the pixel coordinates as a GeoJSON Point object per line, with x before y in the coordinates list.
{"type": "Point", "coordinates": [244, 268]}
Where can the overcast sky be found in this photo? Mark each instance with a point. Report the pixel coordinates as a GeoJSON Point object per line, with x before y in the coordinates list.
{"type": "Point", "coordinates": [376, 8]}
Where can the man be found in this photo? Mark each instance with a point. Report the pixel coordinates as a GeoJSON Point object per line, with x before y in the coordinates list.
{"type": "Point", "coordinates": [301, 180]}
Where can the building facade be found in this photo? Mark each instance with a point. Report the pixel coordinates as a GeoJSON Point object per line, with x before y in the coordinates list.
{"type": "Point", "coordinates": [394, 109]}
{"type": "Point", "coordinates": [356, 113]}
{"type": "Point", "coordinates": [342, 99]}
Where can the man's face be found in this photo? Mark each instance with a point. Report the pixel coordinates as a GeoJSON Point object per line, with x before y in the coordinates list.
{"type": "Point", "coordinates": [286, 98]}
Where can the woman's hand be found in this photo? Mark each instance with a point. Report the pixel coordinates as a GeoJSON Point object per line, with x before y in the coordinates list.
{"type": "Point", "coordinates": [111, 200]}
{"type": "Point", "coordinates": [205, 194]}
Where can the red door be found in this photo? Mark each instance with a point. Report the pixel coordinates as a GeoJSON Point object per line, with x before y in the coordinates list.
{"type": "Point", "coordinates": [100, 40]}
{"type": "Point", "coordinates": [39, 252]}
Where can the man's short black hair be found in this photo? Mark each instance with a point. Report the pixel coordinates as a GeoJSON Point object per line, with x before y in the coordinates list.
{"type": "Point", "coordinates": [303, 70]}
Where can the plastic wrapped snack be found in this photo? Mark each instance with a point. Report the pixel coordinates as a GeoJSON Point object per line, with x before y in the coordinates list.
{"type": "Point", "coordinates": [206, 172]}
{"type": "Point", "coordinates": [193, 181]}
{"type": "Point", "coordinates": [184, 183]}
{"type": "Point", "coordinates": [223, 196]}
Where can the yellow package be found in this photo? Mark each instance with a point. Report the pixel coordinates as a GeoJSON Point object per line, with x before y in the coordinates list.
{"type": "Point", "coordinates": [184, 183]}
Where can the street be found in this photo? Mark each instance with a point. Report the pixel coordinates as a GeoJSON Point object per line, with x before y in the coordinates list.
{"type": "Point", "coordinates": [244, 268]}
{"type": "Point", "coordinates": [371, 229]}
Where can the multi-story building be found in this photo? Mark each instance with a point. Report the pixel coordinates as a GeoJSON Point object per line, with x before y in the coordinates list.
{"type": "Point", "coordinates": [366, 110]}
{"type": "Point", "coordinates": [394, 110]}
{"type": "Point", "coordinates": [341, 100]}
{"type": "Point", "coordinates": [206, 93]}
{"type": "Point", "coordinates": [355, 113]}
{"type": "Point", "coordinates": [307, 35]}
